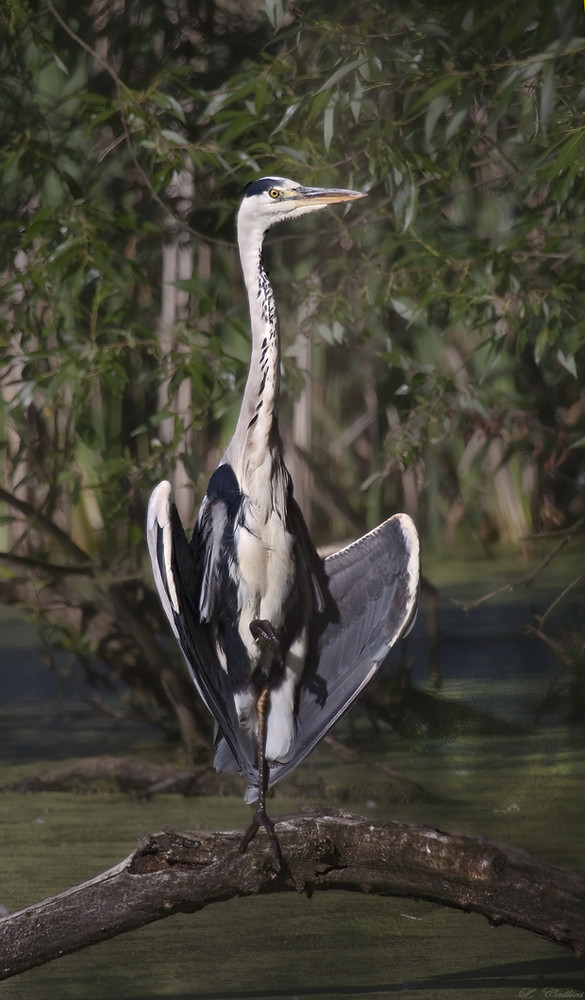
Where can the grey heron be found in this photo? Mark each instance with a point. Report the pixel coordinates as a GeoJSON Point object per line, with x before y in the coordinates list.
{"type": "Point", "coordinates": [279, 643]}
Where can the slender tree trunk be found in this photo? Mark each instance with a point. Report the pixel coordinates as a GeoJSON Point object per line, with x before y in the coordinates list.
{"type": "Point", "coordinates": [177, 265]}
{"type": "Point", "coordinates": [302, 416]}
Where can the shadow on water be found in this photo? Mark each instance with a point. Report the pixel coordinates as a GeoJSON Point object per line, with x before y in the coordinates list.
{"type": "Point", "coordinates": [47, 714]}
{"type": "Point", "coordinates": [522, 785]}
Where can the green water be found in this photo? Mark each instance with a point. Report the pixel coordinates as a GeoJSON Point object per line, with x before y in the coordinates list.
{"type": "Point", "coordinates": [525, 789]}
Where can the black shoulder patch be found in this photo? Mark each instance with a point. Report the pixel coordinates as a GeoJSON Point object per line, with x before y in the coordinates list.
{"type": "Point", "coordinates": [224, 485]}
{"type": "Point", "coordinates": [224, 488]}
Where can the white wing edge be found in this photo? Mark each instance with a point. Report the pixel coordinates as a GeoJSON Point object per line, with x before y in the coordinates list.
{"type": "Point", "coordinates": [411, 534]}
{"type": "Point", "coordinates": [159, 520]}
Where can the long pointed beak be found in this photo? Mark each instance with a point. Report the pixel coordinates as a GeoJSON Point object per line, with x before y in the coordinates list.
{"type": "Point", "coordinates": [317, 197]}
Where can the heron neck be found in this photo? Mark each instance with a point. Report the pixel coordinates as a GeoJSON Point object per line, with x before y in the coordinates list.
{"type": "Point", "coordinates": [257, 429]}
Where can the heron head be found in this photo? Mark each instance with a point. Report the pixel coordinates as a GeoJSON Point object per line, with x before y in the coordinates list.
{"type": "Point", "coordinates": [272, 199]}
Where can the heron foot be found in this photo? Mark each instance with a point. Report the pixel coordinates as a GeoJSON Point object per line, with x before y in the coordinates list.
{"type": "Point", "coordinates": [261, 818]}
{"type": "Point", "coordinates": [263, 631]}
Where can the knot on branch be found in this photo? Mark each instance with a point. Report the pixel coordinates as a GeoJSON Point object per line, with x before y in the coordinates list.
{"type": "Point", "coordinates": [492, 865]}
{"type": "Point", "coordinates": [327, 853]}
{"type": "Point", "coordinates": [161, 851]}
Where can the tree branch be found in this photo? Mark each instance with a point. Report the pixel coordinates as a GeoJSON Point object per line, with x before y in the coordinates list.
{"type": "Point", "coordinates": [565, 537]}
{"type": "Point", "coordinates": [42, 522]}
{"type": "Point", "coordinates": [184, 872]}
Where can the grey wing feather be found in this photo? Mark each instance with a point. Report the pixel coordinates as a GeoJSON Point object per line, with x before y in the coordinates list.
{"type": "Point", "coordinates": [178, 580]}
{"type": "Point", "coordinates": [372, 589]}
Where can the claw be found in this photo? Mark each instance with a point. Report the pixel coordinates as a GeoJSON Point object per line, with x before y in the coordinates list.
{"type": "Point", "coordinates": [263, 631]}
{"type": "Point", "coordinates": [261, 818]}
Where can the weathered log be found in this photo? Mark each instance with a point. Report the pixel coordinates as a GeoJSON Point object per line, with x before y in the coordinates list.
{"type": "Point", "coordinates": [128, 774]}
{"type": "Point", "coordinates": [175, 872]}
{"type": "Point", "coordinates": [145, 778]}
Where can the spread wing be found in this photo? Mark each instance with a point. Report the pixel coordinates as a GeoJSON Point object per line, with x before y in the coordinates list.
{"type": "Point", "coordinates": [369, 595]}
{"type": "Point", "coordinates": [371, 590]}
{"type": "Point", "coordinates": [184, 588]}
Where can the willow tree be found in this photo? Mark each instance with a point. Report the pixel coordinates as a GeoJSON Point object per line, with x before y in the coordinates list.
{"type": "Point", "coordinates": [445, 316]}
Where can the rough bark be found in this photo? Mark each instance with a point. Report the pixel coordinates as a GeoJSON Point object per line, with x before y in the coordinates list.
{"type": "Point", "coordinates": [175, 872]}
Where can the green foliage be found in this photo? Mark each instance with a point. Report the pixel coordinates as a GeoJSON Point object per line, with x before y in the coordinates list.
{"type": "Point", "coordinates": [450, 302]}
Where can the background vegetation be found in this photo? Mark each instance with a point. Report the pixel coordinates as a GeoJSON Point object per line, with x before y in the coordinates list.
{"type": "Point", "coordinates": [444, 370]}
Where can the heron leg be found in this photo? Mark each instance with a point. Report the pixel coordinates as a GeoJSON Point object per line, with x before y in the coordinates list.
{"type": "Point", "coordinates": [262, 630]}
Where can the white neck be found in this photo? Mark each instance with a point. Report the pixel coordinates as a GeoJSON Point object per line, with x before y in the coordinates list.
{"type": "Point", "coordinates": [256, 435]}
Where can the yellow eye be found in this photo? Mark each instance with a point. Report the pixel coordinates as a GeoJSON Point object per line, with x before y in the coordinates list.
{"type": "Point", "coordinates": [274, 193]}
